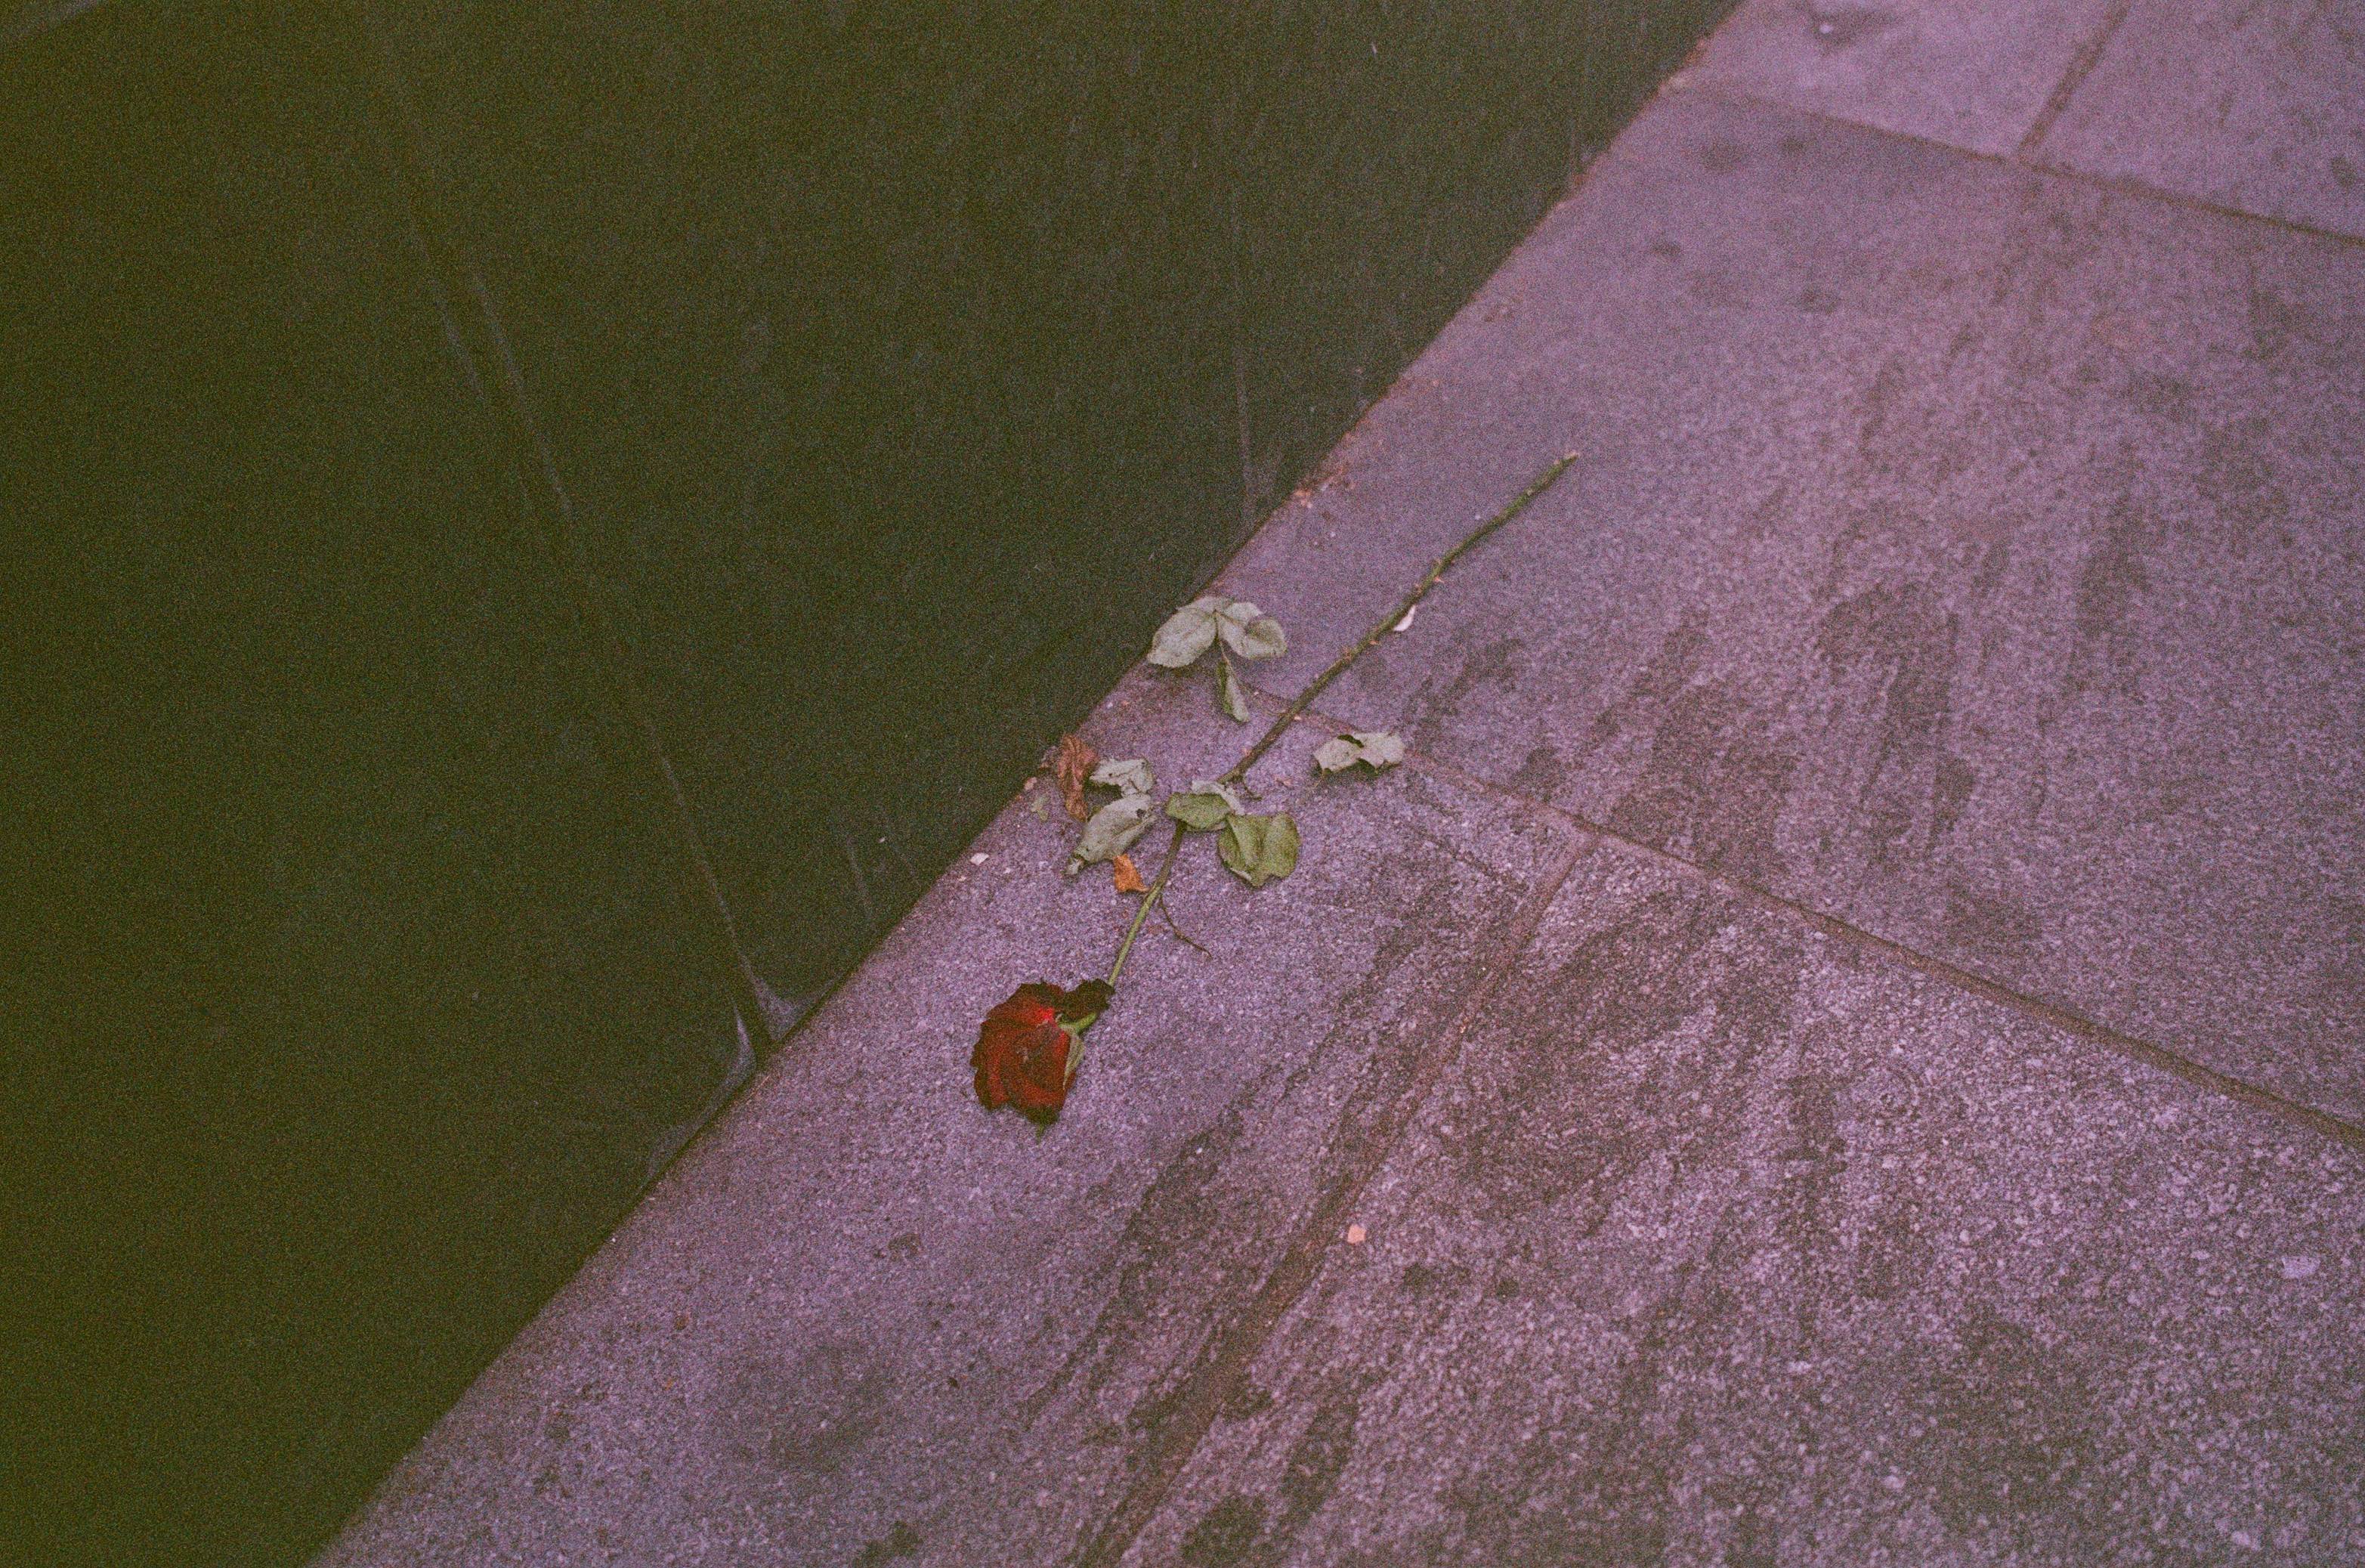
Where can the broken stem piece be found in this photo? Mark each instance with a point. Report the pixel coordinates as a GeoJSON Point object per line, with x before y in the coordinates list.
{"type": "Point", "coordinates": [1395, 617]}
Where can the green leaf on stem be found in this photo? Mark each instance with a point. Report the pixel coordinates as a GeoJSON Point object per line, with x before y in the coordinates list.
{"type": "Point", "coordinates": [1258, 848]}
{"type": "Point", "coordinates": [1235, 700]}
{"type": "Point", "coordinates": [1374, 748]}
{"type": "Point", "coordinates": [1188, 632]}
{"type": "Point", "coordinates": [1250, 632]}
{"type": "Point", "coordinates": [1128, 777]}
{"type": "Point", "coordinates": [1203, 806]}
{"type": "Point", "coordinates": [1112, 829]}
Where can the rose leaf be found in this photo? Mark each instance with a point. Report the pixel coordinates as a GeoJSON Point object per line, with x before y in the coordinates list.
{"type": "Point", "coordinates": [1373, 748]}
{"type": "Point", "coordinates": [1258, 848]}
{"type": "Point", "coordinates": [1236, 701]}
{"type": "Point", "coordinates": [1187, 633]}
{"type": "Point", "coordinates": [1203, 806]}
{"type": "Point", "coordinates": [1130, 776]}
{"type": "Point", "coordinates": [1112, 830]}
{"type": "Point", "coordinates": [1250, 632]}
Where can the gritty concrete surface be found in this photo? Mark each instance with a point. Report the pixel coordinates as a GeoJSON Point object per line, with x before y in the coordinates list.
{"type": "Point", "coordinates": [862, 1313]}
{"type": "Point", "coordinates": [1974, 76]}
{"type": "Point", "coordinates": [1723, 1244]}
{"type": "Point", "coordinates": [1964, 550]}
{"type": "Point", "coordinates": [1843, 1045]}
{"type": "Point", "coordinates": [2257, 108]}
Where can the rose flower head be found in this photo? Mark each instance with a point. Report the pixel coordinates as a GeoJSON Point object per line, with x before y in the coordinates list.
{"type": "Point", "coordinates": [1028, 1048]}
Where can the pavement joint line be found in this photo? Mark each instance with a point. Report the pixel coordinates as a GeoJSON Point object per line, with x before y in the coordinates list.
{"type": "Point", "coordinates": [2150, 1054]}
{"type": "Point", "coordinates": [2029, 167]}
{"type": "Point", "coordinates": [2081, 65]}
{"type": "Point", "coordinates": [1223, 1362]}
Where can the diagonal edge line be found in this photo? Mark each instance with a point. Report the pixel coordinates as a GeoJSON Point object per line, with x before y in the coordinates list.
{"type": "Point", "coordinates": [1215, 1374]}
{"type": "Point", "coordinates": [2081, 65]}
{"type": "Point", "coordinates": [2256, 1096]}
{"type": "Point", "coordinates": [2184, 201]}
{"type": "Point", "coordinates": [2117, 185]}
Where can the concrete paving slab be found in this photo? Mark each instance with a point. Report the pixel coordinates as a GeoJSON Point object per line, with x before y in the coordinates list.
{"type": "Point", "coordinates": [2258, 107]}
{"type": "Point", "coordinates": [1724, 1243]}
{"type": "Point", "coordinates": [864, 1320]}
{"type": "Point", "coordinates": [1968, 553]}
{"type": "Point", "coordinates": [1972, 76]}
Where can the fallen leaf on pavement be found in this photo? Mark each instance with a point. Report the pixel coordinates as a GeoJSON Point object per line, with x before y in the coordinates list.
{"type": "Point", "coordinates": [1129, 880]}
{"type": "Point", "coordinates": [1075, 765]}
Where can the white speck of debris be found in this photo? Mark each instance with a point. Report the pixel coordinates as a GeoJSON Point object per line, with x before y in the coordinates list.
{"type": "Point", "coordinates": [979, 860]}
{"type": "Point", "coordinates": [1893, 1481]}
{"type": "Point", "coordinates": [2298, 1268]}
{"type": "Point", "coordinates": [1355, 1234]}
{"type": "Point", "coordinates": [1405, 624]}
{"type": "Point", "coordinates": [1796, 1368]}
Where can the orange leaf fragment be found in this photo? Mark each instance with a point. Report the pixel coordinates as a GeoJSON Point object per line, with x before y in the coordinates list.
{"type": "Point", "coordinates": [1129, 880]}
{"type": "Point", "coordinates": [1074, 767]}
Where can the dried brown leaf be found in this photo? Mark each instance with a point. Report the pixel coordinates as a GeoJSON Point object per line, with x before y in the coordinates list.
{"type": "Point", "coordinates": [1074, 767]}
{"type": "Point", "coordinates": [1129, 880]}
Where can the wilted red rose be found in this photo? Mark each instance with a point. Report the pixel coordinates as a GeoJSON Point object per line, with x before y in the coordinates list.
{"type": "Point", "coordinates": [1028, 1049]}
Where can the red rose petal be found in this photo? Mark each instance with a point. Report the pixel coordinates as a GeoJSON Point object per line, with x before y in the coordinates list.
{"type": "Point", "coordinates": [1021, 1056]}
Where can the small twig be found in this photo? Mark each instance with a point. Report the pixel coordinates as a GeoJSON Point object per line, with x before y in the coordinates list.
{"type": "Point", "coordinates": [1157, 886]}
{"type": "Point", "coordinates": [1512, 509]}
{"type": "Point", "coordinates": [1166, 912]}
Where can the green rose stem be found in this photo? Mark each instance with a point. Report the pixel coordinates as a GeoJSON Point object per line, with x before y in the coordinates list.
{"type": "Point", "coordinates": [1511, 509]}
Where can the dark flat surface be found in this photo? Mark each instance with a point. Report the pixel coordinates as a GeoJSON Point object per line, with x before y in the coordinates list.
{"type": "Point", "coordinates": [897, 375]}
{"type": "Point", "coordinates": [347, 999]}
{"type": "Point", "coordinates": [1956, 548]}
{"type": "Point", "coordinates": [905, 370]}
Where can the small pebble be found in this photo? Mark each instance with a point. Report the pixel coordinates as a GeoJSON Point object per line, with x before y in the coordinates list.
{"type": "Point", "coordinates": [979, 860]}
{"type": "Point", "coordinates": [1355, 1234]}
